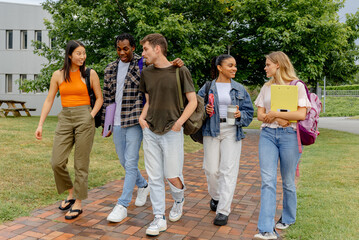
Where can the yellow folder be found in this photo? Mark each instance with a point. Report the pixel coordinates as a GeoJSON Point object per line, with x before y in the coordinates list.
{"type": "Point", "coordinates": [284, 98]}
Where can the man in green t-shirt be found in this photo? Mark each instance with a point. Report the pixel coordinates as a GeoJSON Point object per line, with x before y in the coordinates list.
{"type": "Point", "coordinates": [161, 121]}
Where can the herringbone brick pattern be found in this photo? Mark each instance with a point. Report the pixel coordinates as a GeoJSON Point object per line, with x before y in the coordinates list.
{"type": "Point", "coordinates": [196, 223]}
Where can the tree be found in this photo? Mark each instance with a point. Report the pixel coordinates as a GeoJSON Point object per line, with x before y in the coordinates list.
{"type": "Point", "coordinates": [309, 32]}
{"type": "Point", "coordinates": [197, 30]}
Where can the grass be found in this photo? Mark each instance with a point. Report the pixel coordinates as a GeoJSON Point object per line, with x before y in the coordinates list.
{"type": "Point", "coordinates": [340, 106]}
{"type": "Point", "coordinates": [328, 193]}
{"type": "Point", "coordinates": [27, 181]}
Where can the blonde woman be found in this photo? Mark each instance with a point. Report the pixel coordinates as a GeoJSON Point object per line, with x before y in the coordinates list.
{"type": "Point", "coordinates": [278, 141]}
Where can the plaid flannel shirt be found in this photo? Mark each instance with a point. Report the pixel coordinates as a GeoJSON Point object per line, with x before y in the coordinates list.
{"type": "Point", "coordinates": [132, 97]}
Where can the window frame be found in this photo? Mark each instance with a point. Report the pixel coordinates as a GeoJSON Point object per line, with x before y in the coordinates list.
{"type": "Point", "coordinates": [8, 78]}
{"type": "Point", "coordinates": [23, 39]}
{"type": "Point", "coordinates": [9, 39]}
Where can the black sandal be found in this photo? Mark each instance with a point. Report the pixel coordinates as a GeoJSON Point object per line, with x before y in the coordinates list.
{"type": "Point", "coordinates": [70, 203]}
{"type": "Point", "coordinates": [79, 211]}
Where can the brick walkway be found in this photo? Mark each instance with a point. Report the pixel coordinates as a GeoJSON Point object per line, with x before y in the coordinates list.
{"type": "Point", "coordinates": [196, 223]}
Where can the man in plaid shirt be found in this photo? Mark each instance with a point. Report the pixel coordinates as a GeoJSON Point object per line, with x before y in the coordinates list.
{"type": "Point", "coordinates": [121, 86]}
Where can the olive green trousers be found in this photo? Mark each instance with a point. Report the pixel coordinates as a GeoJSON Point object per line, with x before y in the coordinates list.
{"type": "Point", "coordinates": [76, 127]}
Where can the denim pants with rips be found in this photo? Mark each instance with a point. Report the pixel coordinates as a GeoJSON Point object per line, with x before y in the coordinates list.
{"type": "Point", "coordinates": [164, 157]}
{"type": "Point", "coordinates": [128, 142]}
{"type": "Point", "coordinates": [277, 144]}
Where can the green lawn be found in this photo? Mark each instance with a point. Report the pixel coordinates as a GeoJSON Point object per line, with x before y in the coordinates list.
{"type": "Point", "coordinates": [328, 192]}
{"type": "Point", "coordinates": [340, 106]}
{"type": "Point", "coordinates": [27, 182]}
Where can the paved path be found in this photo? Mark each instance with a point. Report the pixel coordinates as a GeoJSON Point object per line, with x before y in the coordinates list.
{"type": "Point", "coordinates": [196, 223]}
{"type": "Point", "coordinates": [340, 123]}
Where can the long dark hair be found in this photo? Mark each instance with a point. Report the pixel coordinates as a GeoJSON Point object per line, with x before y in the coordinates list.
{"type": "Point", "coordinates": [218, 61]}
{"type": "Point", "coordinates": [70, 47]}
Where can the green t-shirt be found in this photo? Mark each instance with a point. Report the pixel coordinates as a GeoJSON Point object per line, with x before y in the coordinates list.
{"type": "Point", "coordinates": [161, 86]}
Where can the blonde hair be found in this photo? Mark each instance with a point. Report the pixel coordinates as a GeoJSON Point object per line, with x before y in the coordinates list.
{"type": "Point", "coordinates": [285, 72]}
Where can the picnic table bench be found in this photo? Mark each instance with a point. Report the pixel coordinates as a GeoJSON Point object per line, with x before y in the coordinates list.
{"type": "Point", "coordinates": [12, 108]}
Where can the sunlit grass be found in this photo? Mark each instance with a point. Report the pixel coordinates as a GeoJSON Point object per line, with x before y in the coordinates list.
{"type": "Point", "coordinates": [27, 180]}
{"type": "Point", "coordinates": [328, 193]}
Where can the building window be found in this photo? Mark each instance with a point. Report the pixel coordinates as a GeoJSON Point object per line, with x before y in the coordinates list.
{"type": "Point", "coordinates": [23, 39]}
{"type": "Point", "coordinates": [38, 37]}
{"type": "Point", "coordinates": [8, 83]}
{"type": "Point", "coordinates": [9, 39]}
{"type": "Point", "coordinates": [22, 78]}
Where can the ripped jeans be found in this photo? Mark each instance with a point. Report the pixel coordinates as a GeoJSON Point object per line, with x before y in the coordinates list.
{"type": "Point", "coordinates": [164, 158]}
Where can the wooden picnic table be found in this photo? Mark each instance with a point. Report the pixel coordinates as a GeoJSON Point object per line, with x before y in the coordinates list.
{"type": "Point", "coordinates": [12, 106]}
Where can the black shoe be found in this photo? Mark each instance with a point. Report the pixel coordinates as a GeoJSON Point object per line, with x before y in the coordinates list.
{"type": "Point", "coordinates": [213, 205]}
{"type": "Point", "coordinates": [68, 205]}
{"type": "Point", "coordinates": [220, 219]}
{"type": "Point", "coordinates": [78, 211]}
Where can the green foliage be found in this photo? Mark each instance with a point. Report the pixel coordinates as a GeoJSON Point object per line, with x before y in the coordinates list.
{"type": "Point", "coordinates": [307, 30]}
{"type": "Point", "coordinates": [340, 107]}
{"type": "Point", "coordinates": [197, 30]}
{"type": "Point", "coordinates": [342, 87]}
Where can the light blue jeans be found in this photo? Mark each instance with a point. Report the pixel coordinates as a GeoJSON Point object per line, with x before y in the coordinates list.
{"type": "Point", "coordinates": [164, 157]}
{"type": "Point", "coordinates": [128, 142]}
{"type": "Point", "coordinates": [274, 144]}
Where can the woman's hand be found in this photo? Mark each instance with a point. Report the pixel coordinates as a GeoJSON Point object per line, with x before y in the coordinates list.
{"type": "Point", "coordinates": [282, 122]}
{"type": "Point", "coordinates": [38, 133]}
{"type": "Point", "coordinates": [270, 117]}
{"type": "Point", "coordinates": [209, 109]}
{"type": "Point", "coordinates": [237, 114]}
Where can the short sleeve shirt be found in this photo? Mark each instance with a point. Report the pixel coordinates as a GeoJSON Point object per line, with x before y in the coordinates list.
{"type": "Point", "coordinates": [164, 105]}
{"type": "Point", "coordinates": [263, 100]}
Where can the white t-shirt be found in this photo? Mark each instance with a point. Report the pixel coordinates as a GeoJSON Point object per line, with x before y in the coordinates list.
{"type": "Point", "coordinates": [224, 98]}
{"type": "Point", "coordinates": [263, 100]}
{"type": "Point", "coordinates": [120, 82]}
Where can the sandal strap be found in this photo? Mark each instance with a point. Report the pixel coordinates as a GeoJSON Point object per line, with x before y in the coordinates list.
{"type": "Point", "coordinates": [70, 201]}
{"type": "Point", "coordinates": [75, 210]}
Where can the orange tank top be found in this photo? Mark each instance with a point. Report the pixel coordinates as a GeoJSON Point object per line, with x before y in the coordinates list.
{"type": "Point", "coordinates": [74, 93]}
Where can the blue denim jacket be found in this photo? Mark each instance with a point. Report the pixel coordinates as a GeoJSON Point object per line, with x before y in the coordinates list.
{"type": "Point", "coordinates": [240, 97]}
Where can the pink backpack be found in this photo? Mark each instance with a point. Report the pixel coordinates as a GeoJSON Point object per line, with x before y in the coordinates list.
{"type": "Point", "coordinates": [308, 128]}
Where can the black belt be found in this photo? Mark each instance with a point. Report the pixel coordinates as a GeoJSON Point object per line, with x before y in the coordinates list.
{"type": "Point", "coordinates": [221, 120]}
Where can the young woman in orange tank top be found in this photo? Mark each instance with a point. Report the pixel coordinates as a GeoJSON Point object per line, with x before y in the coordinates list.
{"type": "Point", "coordinates": [75, 126]}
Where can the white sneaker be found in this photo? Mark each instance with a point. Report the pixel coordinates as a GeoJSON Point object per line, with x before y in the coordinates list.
{"type": "Point", "coordinates": [118, 213]}
{"type": "Point", "coordinates": [280, 225]}
{"type": "Point", "coordinates": [158, 225]}
{"type": "Point", "coordinates": [142, 194]}
{"type": "Point", "coordinates": [176, 211]}
{"type": "Point", "coordinates": [265, 235]}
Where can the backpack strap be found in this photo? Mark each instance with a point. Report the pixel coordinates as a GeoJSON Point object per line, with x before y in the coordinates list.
{"type": "Point", "coordinates": [179, 89]}
{"type": "Point", "coordinates": [140, 64]}
{"type": "Point", "coordinates": [294, 82]}
{"type": "Point", "coordinates": [87, 79]}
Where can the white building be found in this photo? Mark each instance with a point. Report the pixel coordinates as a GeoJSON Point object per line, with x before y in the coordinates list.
{"type": "Point", "coordinates": [20, 24]}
